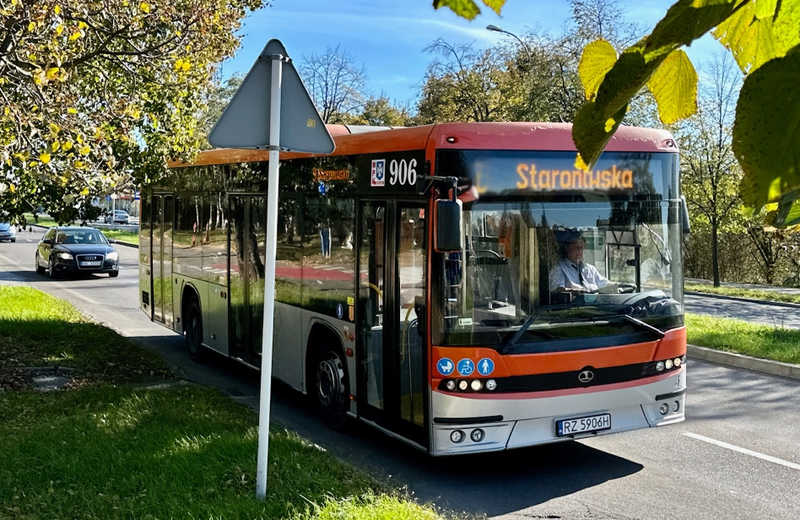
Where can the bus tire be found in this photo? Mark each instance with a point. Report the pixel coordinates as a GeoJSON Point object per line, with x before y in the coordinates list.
{"type": "Point", "coordinates": [331, 391]}
{"type": "Point", "coordinates": [194, 331]}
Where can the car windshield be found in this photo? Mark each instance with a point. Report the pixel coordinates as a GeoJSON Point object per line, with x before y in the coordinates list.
{"type": "Point", "coordinates": [80, 236]}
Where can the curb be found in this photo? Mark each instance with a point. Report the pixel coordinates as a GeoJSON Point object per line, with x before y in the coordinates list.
{"type": "Point", "coordinates": [739, 298]}
{"type": "Point", "coordinates": [775, 368]}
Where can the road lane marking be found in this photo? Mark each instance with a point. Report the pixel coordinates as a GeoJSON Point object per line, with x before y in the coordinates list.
{"type": "Point", "coordinates": [752, 453]}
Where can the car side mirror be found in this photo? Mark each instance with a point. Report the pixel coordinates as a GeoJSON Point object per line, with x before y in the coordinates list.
{"type": "Point", "coordinates": [111, 241]}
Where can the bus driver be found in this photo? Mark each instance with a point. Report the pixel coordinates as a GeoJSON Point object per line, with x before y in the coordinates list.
{"type": "Point", "coordinates": [573, 275]}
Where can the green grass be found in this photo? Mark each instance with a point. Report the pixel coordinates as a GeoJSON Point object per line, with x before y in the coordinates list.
{"type": "Point", "coordinates": [131, 237]}
{"type": "Point", "coordinates": [743, 293]}
{"type": "Point", "coordinates": [132, 442]}
{"type": "Point", "coordinates": [741, 337]}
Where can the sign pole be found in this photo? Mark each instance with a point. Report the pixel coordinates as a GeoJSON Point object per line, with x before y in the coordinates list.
{"type": "Point", "coordinates": [273, 187]}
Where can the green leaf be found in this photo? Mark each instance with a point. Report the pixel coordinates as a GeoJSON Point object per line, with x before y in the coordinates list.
{"type": "Point", "coordinates": [597, 59]}
{"type": "Point", "coordinates": [591, 132]}
{"type": "Point", "coordinates": [674, 87]}
{"type": "Point", "coordinates": [688, 20]}
{"type": "Point", "coordinates": [464, 8]}
{"type": "Point", "coordinates": [751, 39]}
{"type": "Point", "coordinates": [766, 133]}
{"type": "Point", "coordinates": [495, 5]}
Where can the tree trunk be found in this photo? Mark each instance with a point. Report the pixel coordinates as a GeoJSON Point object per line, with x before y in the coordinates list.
{"type": "Point", "coordinates": [715, 253]}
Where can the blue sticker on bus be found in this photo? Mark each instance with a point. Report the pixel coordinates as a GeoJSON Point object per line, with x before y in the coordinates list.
{"type": "Point", "coordinates": [466, 367]}
{"type": "Point", "coordinates": [485, 366]}
{"type": "Point", "coordinates": [445, 366]}
{"type": "Point", "coordinates": [339, 310]}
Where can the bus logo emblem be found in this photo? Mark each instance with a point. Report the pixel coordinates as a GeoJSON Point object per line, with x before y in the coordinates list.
{"type": "Point", "coordinates": [378, 172]}
{"type": "Point", "coordinates": [586, 376]}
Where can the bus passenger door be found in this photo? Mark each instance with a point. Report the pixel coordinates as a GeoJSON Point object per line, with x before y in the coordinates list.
{"type": "Point", "coordinates": [392, 283]}
{"type": "Point", "coordinates": [247, 228]}
{"type": "Point", "coordinates": [163, 210]}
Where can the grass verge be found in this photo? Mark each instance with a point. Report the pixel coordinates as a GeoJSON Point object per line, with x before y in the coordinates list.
{"type": "Point", "coordinates": [741, 337]}
{"type": "Point", "coordinates": [735, 292]}
{"type": "Point", "coordinates": [114, 234]}
{"type": "Point", "coordinates": [126, 440]}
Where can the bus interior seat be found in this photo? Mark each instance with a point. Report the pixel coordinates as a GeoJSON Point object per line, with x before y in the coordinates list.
{"type": "Point", "coordinates": [492, 278]}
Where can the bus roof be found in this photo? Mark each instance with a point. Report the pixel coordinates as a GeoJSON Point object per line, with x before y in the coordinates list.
{"type": "Point", "coordinates": [494, 136]}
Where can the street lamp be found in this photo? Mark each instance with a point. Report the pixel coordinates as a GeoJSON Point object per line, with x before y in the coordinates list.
{"type": "Point", "coordinates": [495, 28]}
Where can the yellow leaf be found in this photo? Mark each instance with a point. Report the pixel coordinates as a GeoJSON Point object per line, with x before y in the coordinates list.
{"type": "Point", "coordinates": [12, 188]}
{"type": "Point", "coordinates": [674, 87]}
{"type": "Point", "coordinates": [31, 26]}
{"type": "Point", "coordinates": [85, 150]}
{"type": "Point", "coordinates": [55, 146]}
{"type": "Point", "coordinates": [82, 25]}
{"type": "Point", "coordinates": [186, 66]}
{"type": "Point", "coordinates": [59, 29]}
{"type": "Point", "coordinates": [52, 73]}
{"type": "Point", "coordinates": [79, 165]}
{"type": "Point", "coordinates": [85, 191]}
{"type": "Point", "coordinates": [75, 35]}
{"type": "Point", "coordinates": [178, 64]}
{"type": "Point", "coordinates": [45, 158]}
{"type": "Point", "coordinates": [597, 59]}
{"type": "Point", "coordinates": [72, 111]}
{"type": "Point", "coordinates": [57, 9]}
{"type": "Point", "coordinates": [580, 164]}
{"type": "Point", "coordinates": [610, 124]}
{"type": "Point", "coordinates": [67, 146]}
{"type": "Point", "coordinates": [145, 7]}
{"type": "Point", "coordinates": [54, 128]}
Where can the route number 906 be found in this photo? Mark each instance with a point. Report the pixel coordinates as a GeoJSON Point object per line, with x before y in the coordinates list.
{"type": "Point", "coordinates": [403, 172]}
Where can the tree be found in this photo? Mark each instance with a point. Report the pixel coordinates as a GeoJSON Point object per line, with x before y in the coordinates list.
{"type": "Point", "coordinates": [709, 172]}
{"type": "Point", "coordinates": [218, 99]}
{"type": "Point", "coordinates": [763, 38]}
{"type": "Point", "coordinates": [335, 83]}
{"type": "Point", "coordinates": [379, 111]}
{"type": "Point", "coordinates": [95, 94]}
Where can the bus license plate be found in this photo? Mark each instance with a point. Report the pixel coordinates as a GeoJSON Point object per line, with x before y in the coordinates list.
{"type": "Point", "coordinates": [592, 423]}
{"type": "Point", "coordinates": [91, 264]}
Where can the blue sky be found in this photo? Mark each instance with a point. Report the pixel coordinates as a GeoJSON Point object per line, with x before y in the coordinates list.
{"type": "Point", "coordinates": [388, 37]}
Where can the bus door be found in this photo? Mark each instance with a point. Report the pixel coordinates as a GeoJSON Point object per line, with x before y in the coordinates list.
{"type": "Point", "coordinates": [247, 232]}
{"type": "Point", "coordinates": [163, 208]}
{"type": "Point", "coordinates": [392, 287]}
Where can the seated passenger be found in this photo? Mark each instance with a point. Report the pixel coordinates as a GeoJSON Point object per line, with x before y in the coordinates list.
{"type": "Point", "coordinates": [572, 274]}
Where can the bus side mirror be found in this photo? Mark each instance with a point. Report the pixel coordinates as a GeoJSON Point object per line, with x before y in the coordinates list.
{"type": "Point", "coordinates": [448, 236]}
{"type": "Point", "coordinates": [685, 217]}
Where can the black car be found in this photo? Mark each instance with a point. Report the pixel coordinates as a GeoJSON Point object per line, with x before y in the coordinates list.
{"type": "Point", "coordinates": [73, 250]}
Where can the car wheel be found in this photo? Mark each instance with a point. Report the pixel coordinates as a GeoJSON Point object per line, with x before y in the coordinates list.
{"type": "Point", "coordinates": [330, 388]}
{"type": "Point", "coordinates": [39, 268]}
{"type": "Point", "coordinates": [51, 266]}
{"type": "Point", "coordinates": [194, 332]}
{"type": "Point", "coordinates": [113, 274]}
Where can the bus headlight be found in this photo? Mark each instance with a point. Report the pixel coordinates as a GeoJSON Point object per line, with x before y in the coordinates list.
{"type": "Point", "coordinates": [456, 436]}
{"type": "Point", "coordinates": [491, 384]}
{"type": "Point", "coordinates": [463, 385]}
{"type": "Point", "coordinates": [477, 435]}
{"type": "Point", "coordinates": [660, 366]}
{"type": "Point", "coordinates": [450, 385]}
{"type": "Point", "coordinates": [668, 364]}
{"type": "Point", "coordinates": [476, 385]}
{"type": "Point", "coordinates": [664, 409]}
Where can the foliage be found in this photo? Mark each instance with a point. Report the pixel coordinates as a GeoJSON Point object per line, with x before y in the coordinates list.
{"type": "Point", "coordinates": [380, 111]}
{"type": "Point", "coordinates": [763, 38]}
{"type": "Point", "coordinates": [336, 84]}
{"type": "Point", "coordinates": [468, 8]}
{"type": "Point", "coordinates": [95, 94]}
{"type": "Point", "coordinates": [218, 98]}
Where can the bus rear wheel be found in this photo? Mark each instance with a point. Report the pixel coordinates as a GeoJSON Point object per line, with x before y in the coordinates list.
{"type": "Point", "coordinates": [194, 332]}
{"type": "Point", "coordinates": [331, 389]}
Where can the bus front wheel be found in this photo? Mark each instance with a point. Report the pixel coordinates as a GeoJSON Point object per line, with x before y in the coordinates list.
{"type": "Point", "coordinates": [194, 332]}
{"type": "Point", "coordinates": [330, 388]}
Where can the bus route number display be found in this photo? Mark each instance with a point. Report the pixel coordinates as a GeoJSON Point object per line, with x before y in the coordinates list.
{"type": "Point", "coordinates": [395, 171]}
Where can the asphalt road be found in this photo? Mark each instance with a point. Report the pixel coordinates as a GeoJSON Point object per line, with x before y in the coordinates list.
{"type": "Point", "coordinates": [736, 456]}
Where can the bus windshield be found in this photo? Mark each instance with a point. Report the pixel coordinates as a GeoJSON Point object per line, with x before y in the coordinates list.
{"type": "Point", "coordinates": [568, 271]}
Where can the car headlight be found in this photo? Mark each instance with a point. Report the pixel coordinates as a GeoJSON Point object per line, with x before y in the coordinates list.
{"type": "Point", "coordinates": [64, 256]}
{"type": "Point", "coordinates": [112, 256]}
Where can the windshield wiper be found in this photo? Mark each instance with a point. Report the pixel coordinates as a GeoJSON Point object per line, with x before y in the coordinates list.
{"type": "Point", "coordinates": [504, 349]}
{"type": "Point", "coordinates": [635, 321]}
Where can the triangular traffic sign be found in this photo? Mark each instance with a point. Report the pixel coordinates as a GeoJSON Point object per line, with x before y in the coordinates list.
{"type": "Point", "coordinates": [245, 121]}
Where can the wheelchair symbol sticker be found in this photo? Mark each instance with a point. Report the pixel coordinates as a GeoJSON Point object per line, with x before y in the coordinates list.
{"type": "Point", "coordinates": [466, 367]}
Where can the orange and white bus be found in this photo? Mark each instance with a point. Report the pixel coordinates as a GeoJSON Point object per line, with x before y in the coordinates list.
{"type": "Point", "coordinates": [415, 279]}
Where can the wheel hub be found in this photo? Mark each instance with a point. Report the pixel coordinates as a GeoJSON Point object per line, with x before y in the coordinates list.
{"type": "Point", "coordinates": [330, 381]}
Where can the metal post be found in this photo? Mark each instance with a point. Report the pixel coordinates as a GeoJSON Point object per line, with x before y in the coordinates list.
{"type": "Point", "coordinates": [273, 188]}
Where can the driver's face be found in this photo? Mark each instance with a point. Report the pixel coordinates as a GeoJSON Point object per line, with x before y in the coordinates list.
{"type": "Point", "coordinates": [575, 251]}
